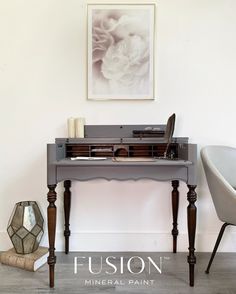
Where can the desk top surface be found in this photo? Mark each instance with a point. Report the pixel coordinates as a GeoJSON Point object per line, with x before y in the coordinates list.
{"type": "Point", "coordinates": [61, 167]}
{"type": "Point", "coordinates": [110, 162]}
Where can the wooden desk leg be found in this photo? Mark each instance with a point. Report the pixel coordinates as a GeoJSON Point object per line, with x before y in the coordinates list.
{"type": "Point", "coordinates": [175, 208]}
{"type": "Point", "coordinates": [52, 214]}
{"type": "Point", "coordinates": [191, 213]}
{"type": "Point", "coordinates": [67, 205]}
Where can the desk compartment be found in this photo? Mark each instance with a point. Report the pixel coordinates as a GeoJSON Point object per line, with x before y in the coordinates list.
{"type": "Point", "coordinates": [140, 151]}
{"type": "Point", "coordinates": [74, 150]}
{"type": "Point", "coordinates": [159, 150]}
{"type": "Point", "coordinates": [101, 150]}
{"type": "Point", "coordinates": [123, 150]}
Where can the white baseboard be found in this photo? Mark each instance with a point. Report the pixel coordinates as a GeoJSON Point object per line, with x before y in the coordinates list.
{"type": "Point", "coordinates": [133, 241]}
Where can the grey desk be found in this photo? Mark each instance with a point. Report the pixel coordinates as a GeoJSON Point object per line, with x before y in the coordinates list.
{"type": "Point", "coordinates": [60, 168]}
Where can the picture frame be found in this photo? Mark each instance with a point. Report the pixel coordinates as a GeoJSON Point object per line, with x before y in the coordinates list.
{"type": "Point", "coordinates": [120, 51]}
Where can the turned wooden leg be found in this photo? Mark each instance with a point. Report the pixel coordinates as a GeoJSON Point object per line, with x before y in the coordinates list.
{"type": "Point", "coordinates": [52, 213]}
{"type": "Point", "coordinates": [175, 208]}
{"type": "Point", "coordinates": [67, 204]}
{"type": "Point", "coordinates": [191, 213]}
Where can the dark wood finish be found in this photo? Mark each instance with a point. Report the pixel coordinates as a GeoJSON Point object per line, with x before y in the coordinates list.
{"type": "Point", "coordinates": [216, 246]}
{"type": "Point", "coordinates": [52, 215]}
{"type": "Point", "coordinates": [175, 208]}
{"type": "Point", "coordinates": [170, 126]}
{"type": "Point", "coordinates": [133, 150]}
{"type": "Point", "coordinates": [109, 141]}
{"type": "Point", "coordinates": [67, 205]}
{"type": "Point", "coordinates": [191, 214]}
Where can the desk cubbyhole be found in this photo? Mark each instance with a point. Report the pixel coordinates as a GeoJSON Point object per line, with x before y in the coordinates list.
{"type": "Point", "coordinates": [101, 150]}
{"type": "Point", "coordinates": [140, 151]}
{"type": "Point", "coordinates": [77, 150]}
{"type": "Point", "coordinates": [159, 150]}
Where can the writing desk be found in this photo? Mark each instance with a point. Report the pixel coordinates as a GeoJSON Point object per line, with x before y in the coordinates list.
{"type": "Point", "coordinates": [61, 168]}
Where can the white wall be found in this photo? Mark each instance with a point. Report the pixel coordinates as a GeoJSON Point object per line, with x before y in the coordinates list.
{"type": "Point", "coordinates": [42, 82]}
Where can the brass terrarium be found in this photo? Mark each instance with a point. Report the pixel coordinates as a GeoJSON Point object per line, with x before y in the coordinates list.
{"type": "Point", "coordinates": [25, 227]}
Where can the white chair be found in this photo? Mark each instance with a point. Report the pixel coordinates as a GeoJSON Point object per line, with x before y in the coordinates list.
{"type": "Point", "coordinates": [219, 163]}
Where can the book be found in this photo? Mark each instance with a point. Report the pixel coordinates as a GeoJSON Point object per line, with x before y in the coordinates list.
{"type": "Point", "coordinates": [29, 262]}
{"type": "Point", "coordinates": [148, 133]}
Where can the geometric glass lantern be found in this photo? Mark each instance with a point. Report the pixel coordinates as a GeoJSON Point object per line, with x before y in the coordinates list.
{"type": "Point", "coordinates": [25, 227]}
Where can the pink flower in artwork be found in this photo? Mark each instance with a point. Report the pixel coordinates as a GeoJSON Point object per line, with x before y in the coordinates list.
{"type": "Point", "coordinates": [102, 40]}
{"type": "Point", "coordinates": [126, 63]}
{"type": "Point", "coordinates": [121, 51]}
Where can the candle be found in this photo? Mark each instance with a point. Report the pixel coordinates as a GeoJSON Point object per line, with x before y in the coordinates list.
{"type": "Point", "coordinates": [71, 127]}
{"type": "Point", "coordinates": [79, 127]}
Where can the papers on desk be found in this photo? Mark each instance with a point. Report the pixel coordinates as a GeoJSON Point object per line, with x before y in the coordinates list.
{"type": "Point", "coordinates": [116, 159]}
{"type": "Point", "coordinates": [88, 158]}
{"type": "Point", "coordinates": [133, 159]}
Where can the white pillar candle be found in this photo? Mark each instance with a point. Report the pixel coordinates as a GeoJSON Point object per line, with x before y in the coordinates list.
{"type": "Point", "coordinates": [79, 127]}
{"type": "Point", "coordinates": [71, 127]}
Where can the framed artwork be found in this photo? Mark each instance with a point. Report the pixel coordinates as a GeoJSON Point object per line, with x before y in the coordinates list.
{"type": "Point", "coordinates": [120, 62]}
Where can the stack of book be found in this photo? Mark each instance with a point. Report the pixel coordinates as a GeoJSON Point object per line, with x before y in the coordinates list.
{"type": "Point", "coordinates": [148, 133]}
{"type": "Point", "coordinates": [29, 262]}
